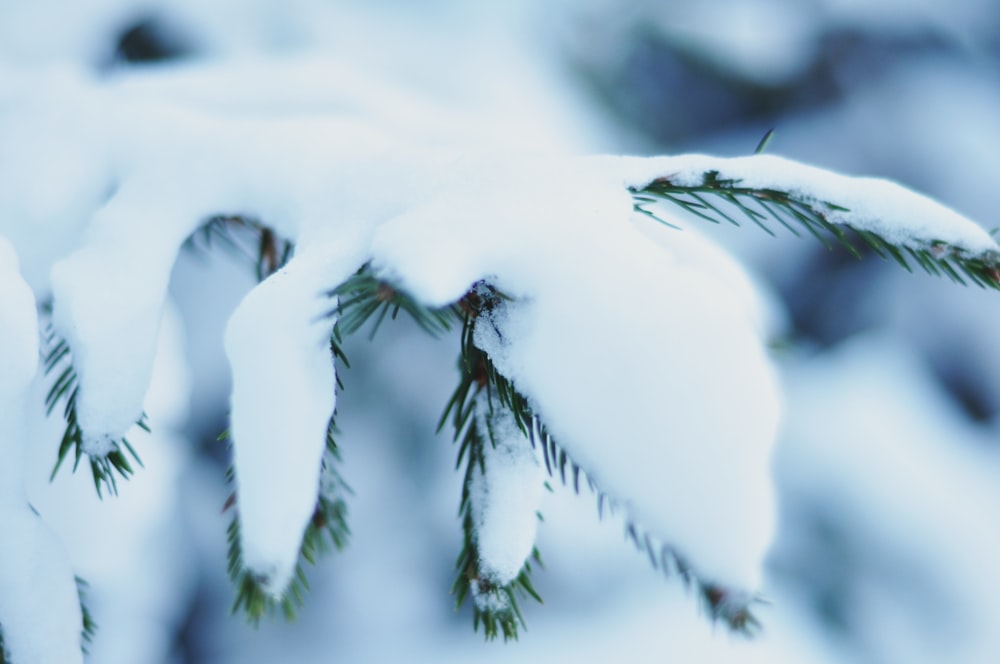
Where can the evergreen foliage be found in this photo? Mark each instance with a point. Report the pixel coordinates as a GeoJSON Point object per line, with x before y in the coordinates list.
{"type": "Point", "coordinates": [327, 530]}
{"type": "Point", "coordinates": [498, 611]}
{"type": "Point", "coordinates": [105, 469]}
{"type": "Point", "coordinates": [367, 297]}
{"type": "Point", "coordinates": [720, 201]}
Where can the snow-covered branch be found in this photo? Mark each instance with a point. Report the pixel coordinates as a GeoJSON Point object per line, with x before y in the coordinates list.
{"type": "Point", "coordinates": [644, 362]}
{"type": "Point", "coordinates": [769, 191]}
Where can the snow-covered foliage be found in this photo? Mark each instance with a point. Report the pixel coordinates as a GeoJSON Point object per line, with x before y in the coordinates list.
{"type": "Point", "coordinates": [637, 357]}
{"type": "Point", "coordinates": [39, 609]}
{"type": "Point", "coordinates": [505, 494]}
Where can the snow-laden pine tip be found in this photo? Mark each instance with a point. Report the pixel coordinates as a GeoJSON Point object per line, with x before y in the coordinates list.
{"type": "Point", "coordinates": [901, 216]}
{"type": "Point", "coordinates": [278, 344]}
{"type": "Point", "coordinates": [490, 600]}
{"type": "Point", "coordinates": [39, 605]}
{"type": "Point", "coordinates": [644, 365]}
{"type": "Point", "coordinates": [504, 496]}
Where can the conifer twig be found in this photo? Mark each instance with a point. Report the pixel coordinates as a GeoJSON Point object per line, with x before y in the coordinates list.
{"type": "Point", "coordinates": [719, 200]}
{"type": "Point", "coordinates": [105, 469]}
{"type": "Point", "coordinates": [327, 529]}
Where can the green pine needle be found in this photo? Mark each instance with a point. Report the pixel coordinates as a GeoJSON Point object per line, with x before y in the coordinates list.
{"type": "Point", "coordinates": [797, 213]}
{"type": "Point", "coordinates": [764, 141]}
{"type": "Point", "coordinates": [365, 295]}
{"type": "Point", "coordinates": [245, 238]}
{"type": "Point", "coordinates": [88, 627]}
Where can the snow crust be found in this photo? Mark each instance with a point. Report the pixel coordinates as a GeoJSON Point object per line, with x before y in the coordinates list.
{"type": "Point", "coordinates": [896, 213]}
{"type": "Point", "coordinates": [504, 499]}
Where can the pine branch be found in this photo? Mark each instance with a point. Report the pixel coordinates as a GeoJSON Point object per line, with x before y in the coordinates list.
{"type": "Point", "coordinates": [254, 243]}
{"type": "Point", "coordinates": [495, 607]}
{"type": "Point", "coordinates": [366, 298]}
{"type": "Point", "coordinates": [725, 201]}
{"type": "Point", "coordinates": [105, 469]}
{"type": "Point", "coordinates": [326, 531]}
{"type": "Point", "coordinates": [480, 378]}
{"type": "Point", "coordinates": [247, 239]}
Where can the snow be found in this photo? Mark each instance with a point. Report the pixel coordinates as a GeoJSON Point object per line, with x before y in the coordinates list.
{"type": "Point", "coordinates": [505, 499]}
{"type": "Point", "coordinates": [133, 551]}
{"type": "Point", "coordinates": [898, 214]}
{"type": "Point", "coordinates": [39, 610]}
{"type": "Point", "coordinates": [18, 353]}
{"type": "Point", "coordinates": [278, 344]}
{"type": "Point", "coordinates": [681, 390]}
{"type": "Point", "coordinates": [644, 361]}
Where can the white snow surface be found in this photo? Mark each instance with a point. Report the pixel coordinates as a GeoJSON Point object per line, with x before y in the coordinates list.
{"type": "Point", "coordinates": [506, 498]}
{"type": "Point", "coordinates": [898, 214]}
{"type": "Point", "coordinates": [132, 179]}
{"type": "Point", "coordinates": [278, 344]}
{"type": "Point", "coordinates": [39, 610]}
{"type": "Point", "coordinates": [18, 365]}
{"type": "Point", "coordinates": [646, 369]}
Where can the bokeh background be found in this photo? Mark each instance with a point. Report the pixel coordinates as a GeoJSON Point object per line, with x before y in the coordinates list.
{"type": "Point", "coordinates": [888, 547]}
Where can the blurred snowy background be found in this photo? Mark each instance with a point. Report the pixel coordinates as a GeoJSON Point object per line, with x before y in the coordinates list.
{"type": "Point", "coordinates": [889, 466]}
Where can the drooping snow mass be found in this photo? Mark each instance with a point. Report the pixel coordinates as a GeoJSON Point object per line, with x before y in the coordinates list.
{"type": "Point", "coordinates": [120, 186]}
{"type": "Point", "coordinates": [645, 368]}
{"type": "Point", "coordinates": [108, 298]}
{"type": "Point", "coordinates": [278, 344]}
{"type": "Point", "coordinates": [39, 609]}
{"type": "Point", "coordinates": [505, 498]}
{"type": "Point", "coordinates": [901, 216]}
